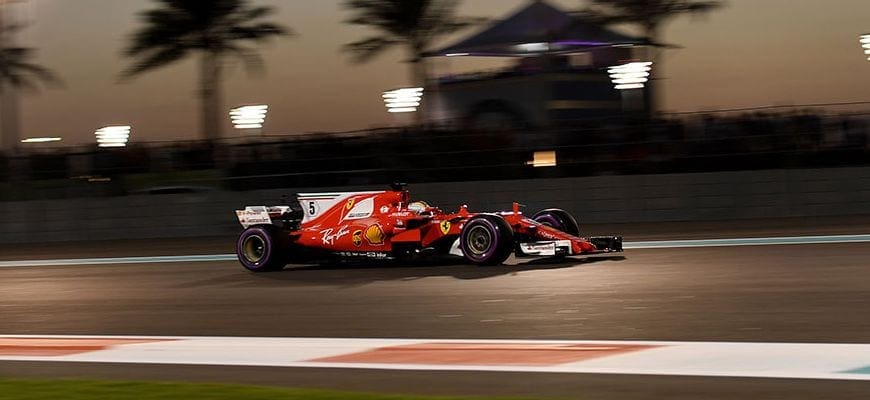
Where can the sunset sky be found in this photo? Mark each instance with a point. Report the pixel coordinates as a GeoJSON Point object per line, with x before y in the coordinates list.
{"type": "Point", "coordinates": [750, 53]}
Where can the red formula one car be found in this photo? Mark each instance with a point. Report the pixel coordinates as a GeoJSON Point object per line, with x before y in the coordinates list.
{"type": "Point", "coordinates": [388, 225]}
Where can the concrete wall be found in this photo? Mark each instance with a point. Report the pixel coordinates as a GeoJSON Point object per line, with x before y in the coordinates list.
{"type": "Point", "coordinates": [641, 198]}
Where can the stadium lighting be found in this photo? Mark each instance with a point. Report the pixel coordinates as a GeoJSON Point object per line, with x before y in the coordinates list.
{"type": "Point", "coordinates": [403, 100]}
{"type": "Point", "coordinates": [249, 117]}
{"type": "Point", "coordinates": [633, 75]}
{"type": "Point", "coordinates": [41, 140]}
{"type": "Point", "coordinates": [113, 136]}
{"type": "Point", "coordinates": [865, 44]}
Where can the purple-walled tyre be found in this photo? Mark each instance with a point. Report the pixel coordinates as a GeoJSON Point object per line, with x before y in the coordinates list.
{"type": "Point", "coordinates": [558, 219]}
{"type": "Point", "coordinates": [258, 249]}
{"type": "Point", "coordinates": [486, 240]}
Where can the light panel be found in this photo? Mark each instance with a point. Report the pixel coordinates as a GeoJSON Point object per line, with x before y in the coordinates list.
{"type": "Point", "coordinates": [633, 75]}
{"type": "Point", "coordinates": [249, 117]}
{"type": "Point", "coordinates": [113, 136]}
{"type": "Point", "coordinates": [403, 100]}
{"type": "Point", "coordinates": [543, 159]}
{"type": "Point", "coordinates": [865, 43]}
{"type": "Point", "coordinates": [41, 140]}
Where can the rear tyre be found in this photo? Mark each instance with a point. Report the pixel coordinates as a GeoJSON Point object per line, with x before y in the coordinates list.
{"type": "Point", "coordinates": [486, 240]}
{"type": "Point", "coordinates": [259, 249]}
{"type": "Point", "coordinates": [558, 219]}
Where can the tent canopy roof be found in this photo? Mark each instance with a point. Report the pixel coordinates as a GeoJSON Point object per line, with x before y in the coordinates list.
{"type": "Point", "coordinates": [538, 28]}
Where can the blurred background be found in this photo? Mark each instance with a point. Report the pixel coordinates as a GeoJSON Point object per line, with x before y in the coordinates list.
{"type": "Point", "coordinates": [130, 131]}
{"type": "Point", "coordinates": [104, 99]}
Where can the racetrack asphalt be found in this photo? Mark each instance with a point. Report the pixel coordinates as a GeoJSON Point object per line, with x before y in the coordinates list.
{"type": "Point", "coordinates": [792, 293]}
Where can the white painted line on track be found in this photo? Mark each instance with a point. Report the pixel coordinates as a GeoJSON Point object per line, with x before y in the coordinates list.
{"type": "Point", "coordinates": [760, 241]}
{"type": "Point", "coordinates": [118, 260]}
{"type": "Point", "coordinates": [734, 359]}
{"type": "Point", "coordinates": [655, 244]}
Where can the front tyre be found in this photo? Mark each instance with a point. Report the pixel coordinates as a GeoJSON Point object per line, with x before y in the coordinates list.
{"type": "Point", "coordinates": [558, 219]}
{"type": "Point", "coordinates": [259, 249]}
{"type": "Point", "coordinates": [486, 240]}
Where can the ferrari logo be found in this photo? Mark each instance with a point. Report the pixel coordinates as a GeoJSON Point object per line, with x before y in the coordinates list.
{"type": "Point", "coordinates": [445, 227]}
{"type": "Point", "coordinates": [357, 238]}
{"type": "Point", "coordinates": [349, 204]}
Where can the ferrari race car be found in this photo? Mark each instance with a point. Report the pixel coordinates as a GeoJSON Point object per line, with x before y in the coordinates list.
{"type": "Point", "coordinates": [386, 225]}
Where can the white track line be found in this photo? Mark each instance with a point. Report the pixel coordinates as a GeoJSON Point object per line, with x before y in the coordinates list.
{"type": "Point", "coordinates": [657, 244]}
{"type": "Point", "coordinates": [761, 241]}
{"type": "Point", "coordinates": [756, 360]}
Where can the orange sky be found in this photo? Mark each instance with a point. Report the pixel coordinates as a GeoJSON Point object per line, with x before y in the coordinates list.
{"type": "Point", "coordinates": [751, 53]}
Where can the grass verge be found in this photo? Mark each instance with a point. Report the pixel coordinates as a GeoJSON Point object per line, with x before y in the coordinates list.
{"type": "Point", "coordinates": [33, 389]}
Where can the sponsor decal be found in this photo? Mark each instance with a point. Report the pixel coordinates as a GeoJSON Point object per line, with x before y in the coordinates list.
{"type": "Point", "coordinates": [445, 227]}
{"type": "Point", "coordinates": [357, 238]}
{"type": "Point", "coordinates": [402, 214]}
{"type": "Point", "coordinates": [539, 248]}
{"type": "Point", "coordinates": [364, 254]}
{"type": "Point", "coordinates": [253, 216]}
{"type": "Point", "coordinates": [375, 235]}
{"type": "Point", "coordinates": [363, 209]}
{"type": "Point", "coordinates": [349, 204]}
{"type": "Point", "coordinates": [547, 235]}
{"type": "Point", "coordinates": [385, 209]}
{"type": "Point", "coordinates": [329, 237]}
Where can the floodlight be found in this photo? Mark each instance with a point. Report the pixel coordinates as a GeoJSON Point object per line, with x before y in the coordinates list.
{"type": "Point", "coordinates": [633, 75]}
{"type": "Point", "coordinates": [865, 44]}
{"type": "Point", "coordinates": [249, 117]}
{"type": "Point", "coordinates": [403, 100]}
{"type": "Point", "coordinates": [113, 136]}
{"type": "Point", "coordinates": [41, 140]}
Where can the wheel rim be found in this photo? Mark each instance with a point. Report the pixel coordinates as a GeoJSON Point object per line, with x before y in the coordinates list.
{"type": "Point", "coordinates": [254, 248]}
{"type": "Point", "coordinates": [479, 240]}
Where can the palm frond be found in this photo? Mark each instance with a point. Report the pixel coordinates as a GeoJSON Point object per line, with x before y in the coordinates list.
{"type": "Point", "coordinates": [155, 59]}
{"type": "Point", "coordinates": [649, 11]}
{"type": "Point", "coordinates": [176, 28]}
{"type": "Point", "coordinates": [17, 69]}
{"type": "Point", "coordinates": [252, 61]}
{"type": "Point", "coordinates": [366, 49]}
{"type": "Point", "coordinates": [258, 32]}
{"type": "Point", "coordinates": [413, 23]}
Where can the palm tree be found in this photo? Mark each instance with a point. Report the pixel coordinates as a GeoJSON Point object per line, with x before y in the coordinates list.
{"type": "Point", "coordinates": [17, 71]}
{"type": "Point", "coordinates": [213, 30]}
{"type": "Point", "coordinates": [650, 16]}
{"type": "Point", "coordinates": [413, 24]}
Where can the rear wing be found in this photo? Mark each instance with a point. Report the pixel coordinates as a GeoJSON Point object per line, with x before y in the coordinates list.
{"type": "Point", "coordinates": [268, 215]}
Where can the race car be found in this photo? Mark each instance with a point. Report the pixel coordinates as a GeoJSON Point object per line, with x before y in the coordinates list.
{"type": "Point", "coordinates": [388, 225]}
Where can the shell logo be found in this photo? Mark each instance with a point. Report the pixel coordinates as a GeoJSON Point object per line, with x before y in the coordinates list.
{"type": "Point", "coordinates": [375, 235]}
{"type": "Point", "coordinates": [357, 238]}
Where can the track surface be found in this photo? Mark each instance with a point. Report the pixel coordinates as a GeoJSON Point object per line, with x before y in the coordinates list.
{"type": "Point", "coordinates": [791, 293]}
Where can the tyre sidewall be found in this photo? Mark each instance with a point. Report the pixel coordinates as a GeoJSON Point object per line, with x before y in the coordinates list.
{"type": "Point", "coordinates": [501, 237]}
{"type": "Point", "coordinates": [269, 259]}
{"type": "Point", "coordinates": [558, 219]}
